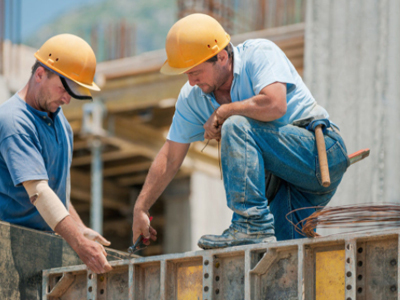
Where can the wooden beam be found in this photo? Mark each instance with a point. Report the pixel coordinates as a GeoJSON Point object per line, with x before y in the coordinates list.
{"type": "Point", "coordinates": [131, 168]}
{"type": "Point", "coordinates": [135, 149]}
{"type": "Point", "coordinates": [82, 181]}
{"type": "Point", "coordinates": [140, 179]}
{"type": "Point", "coordinates": [85, 196]}
{"type": "Point", "coordinates": [131, 180]}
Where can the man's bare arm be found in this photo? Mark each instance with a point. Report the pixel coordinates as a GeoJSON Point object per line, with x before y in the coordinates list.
{"type": "Point", "coordinates": [59, 219]}
{"type": "Point", "coordinates": [267, 106]}
{"type": "Point", "coordinates": [90, 252]}
{"type": "Point", "coordinates": [162, 171]}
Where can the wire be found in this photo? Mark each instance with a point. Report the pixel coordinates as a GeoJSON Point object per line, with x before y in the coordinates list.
{"type": "Point", "coordinates": [358, 218]}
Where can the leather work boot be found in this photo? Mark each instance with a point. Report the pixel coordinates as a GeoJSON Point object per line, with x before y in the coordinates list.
{"type": "Point", "coordinates": [231, 237]}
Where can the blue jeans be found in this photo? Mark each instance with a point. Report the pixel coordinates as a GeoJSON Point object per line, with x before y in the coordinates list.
{"type": "Point", "coordinates": [249, 147]}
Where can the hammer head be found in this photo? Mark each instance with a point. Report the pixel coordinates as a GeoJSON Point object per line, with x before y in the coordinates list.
{"type": "Point", "coordinates": [306, 121]}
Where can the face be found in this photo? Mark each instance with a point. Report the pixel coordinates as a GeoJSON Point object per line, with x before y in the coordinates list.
{"type": "Point", "coordinates": [208, 76]}
{"type": "Point", "coordinates": [51, 93]}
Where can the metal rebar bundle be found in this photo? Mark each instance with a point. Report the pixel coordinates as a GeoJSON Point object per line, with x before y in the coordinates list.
{"type": "Point", "coordinates": [357, 218]}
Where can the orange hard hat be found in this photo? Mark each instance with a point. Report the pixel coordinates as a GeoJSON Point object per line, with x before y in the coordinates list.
{"type": "Point", "coordinates": [72, 58]}
{"type": "Point", "coordinates": [191, 41]}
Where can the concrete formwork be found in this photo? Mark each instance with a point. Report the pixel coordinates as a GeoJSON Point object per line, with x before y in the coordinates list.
{"type": "Point", "coordinates": [353, 266]}
{"type": "Point", "coordinates": [352, 67]}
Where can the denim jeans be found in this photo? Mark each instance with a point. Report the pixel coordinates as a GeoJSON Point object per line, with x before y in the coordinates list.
{"type": "Point", "coordinates": [249, 147]}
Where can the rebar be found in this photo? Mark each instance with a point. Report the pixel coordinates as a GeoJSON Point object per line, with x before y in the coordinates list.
{"type": "Point", "coordinates": [362, 217]}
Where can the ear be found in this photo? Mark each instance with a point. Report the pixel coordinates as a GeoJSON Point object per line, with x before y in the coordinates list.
{"type": "Point", "coordinates": [39, 74]}
{"type": "Point", "coordinates": [223, 56]}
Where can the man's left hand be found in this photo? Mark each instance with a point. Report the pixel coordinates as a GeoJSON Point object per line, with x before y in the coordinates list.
{"type": "Point", "coordinates": [95, 236]}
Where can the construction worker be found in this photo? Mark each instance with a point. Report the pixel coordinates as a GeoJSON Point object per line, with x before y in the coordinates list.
{"type": "Point", "coordinates": [36, 147]}
{"type": "Point", "coordinates": [247, 97]}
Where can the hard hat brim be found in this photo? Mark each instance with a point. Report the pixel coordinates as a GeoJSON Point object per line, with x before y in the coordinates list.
{"type": "Point", "coordinates": [75, 90]}
{"type": "Point", "coordinates": [166, 69]}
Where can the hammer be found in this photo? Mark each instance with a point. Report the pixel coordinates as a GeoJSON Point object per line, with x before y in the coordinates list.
{"type": "Point", "coordinates": [320, 122]}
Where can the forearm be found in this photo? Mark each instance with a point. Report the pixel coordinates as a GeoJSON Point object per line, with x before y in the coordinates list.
{"type": "Point", "coordinates": [68, 229]}
{"type": "Point", "coordinates": [269, 105]}
{"type": "Point", "coordinates": [258, 107]}
{"type": "Point", "coordinates": [75, 216]}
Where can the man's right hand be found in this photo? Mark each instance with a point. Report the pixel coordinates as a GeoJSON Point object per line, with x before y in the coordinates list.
{"type": "Point", "coordinates": [93, 255]}
{"type": "Point", "coordinates": [141, 226]}
{"type": "Point", "coordinates": [90, 252]}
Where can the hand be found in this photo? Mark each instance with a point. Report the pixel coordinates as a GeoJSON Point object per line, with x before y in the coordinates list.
{"type": "Point", "coordinates": [141, 226]}
{"type": "Point", "coordinates": [94, 236]}
{"type": "Point", "coordinates": [213, 128]}
{"type": "Point", "coordinates": [93, 255]}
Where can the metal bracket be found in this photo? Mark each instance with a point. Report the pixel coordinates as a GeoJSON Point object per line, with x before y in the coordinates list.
{"type": "Point", "coordinates": [62, 285]}
{"type": "Point", "coordinates": [265, 263]}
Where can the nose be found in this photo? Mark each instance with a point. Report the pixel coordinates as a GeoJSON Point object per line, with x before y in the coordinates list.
{"type": "Point", "coordinates": [192, 80]}
{"type": "Point", "coordinates": [66, 99]}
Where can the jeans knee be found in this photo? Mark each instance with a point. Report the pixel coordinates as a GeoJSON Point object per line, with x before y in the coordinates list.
{"type": "Point", "coordinates": [235, 123]}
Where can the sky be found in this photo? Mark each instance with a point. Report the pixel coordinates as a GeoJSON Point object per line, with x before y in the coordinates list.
{"type": "Point", "coordinates": [36, 13]}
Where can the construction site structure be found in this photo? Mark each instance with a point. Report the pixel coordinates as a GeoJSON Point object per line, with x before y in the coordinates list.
{"type": "Point", "coordinates": [361, 266]}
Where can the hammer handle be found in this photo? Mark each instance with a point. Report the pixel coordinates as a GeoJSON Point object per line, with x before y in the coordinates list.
{"type": "Point", "coordinates": [323, 160]}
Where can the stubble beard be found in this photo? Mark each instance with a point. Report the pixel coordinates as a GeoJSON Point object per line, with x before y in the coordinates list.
{"type": "Point", "coordinates": [44, 100]}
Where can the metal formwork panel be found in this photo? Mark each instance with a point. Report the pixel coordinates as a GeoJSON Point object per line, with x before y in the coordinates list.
{"type": "Point", "coordinates": [350, 267]}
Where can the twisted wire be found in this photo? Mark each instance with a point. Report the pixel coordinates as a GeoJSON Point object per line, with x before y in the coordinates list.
{"type": "Point", "coordinates": [363, 217]}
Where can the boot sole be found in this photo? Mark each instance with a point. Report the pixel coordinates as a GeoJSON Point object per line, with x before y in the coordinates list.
{"type": "Point", "coordinates": [216, 245]}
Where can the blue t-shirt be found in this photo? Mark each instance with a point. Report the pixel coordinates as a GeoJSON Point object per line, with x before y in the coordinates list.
{"type": "Point", "coordinates": [33, 146]}
{"type": "Point", "coordinates": [256, 64]}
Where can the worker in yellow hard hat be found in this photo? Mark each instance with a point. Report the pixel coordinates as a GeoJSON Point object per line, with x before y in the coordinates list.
{"type": "Point", "coordinates": [247, 97]}
{"type": "Point", "coordinates": [36, 147]}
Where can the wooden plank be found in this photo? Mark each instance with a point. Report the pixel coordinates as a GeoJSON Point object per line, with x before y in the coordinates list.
{"type": "Point", "coordinates": [126, 169]}
{"type": "Point", "coordinates": [85, 196]}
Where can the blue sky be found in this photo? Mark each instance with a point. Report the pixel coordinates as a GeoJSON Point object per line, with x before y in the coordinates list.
{"type": "Point", "coordinates": [36, 13]}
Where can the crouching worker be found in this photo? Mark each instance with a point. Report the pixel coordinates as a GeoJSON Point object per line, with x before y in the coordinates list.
{"type": "Point", "coordinates": [247, 96]}
{"type": "Point", "coordinates": [36, 147]}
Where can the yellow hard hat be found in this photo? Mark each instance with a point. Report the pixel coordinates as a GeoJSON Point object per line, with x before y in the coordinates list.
{"type": "Point", "coordinates": [72, 58]}
{"type": "Point", "coordinates": [191, 41]}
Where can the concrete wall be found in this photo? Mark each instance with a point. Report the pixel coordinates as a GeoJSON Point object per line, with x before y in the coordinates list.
{"type": "Point", "coordinates": [208, 210]}
{"type": "Point", "coordinates": [352, 67]}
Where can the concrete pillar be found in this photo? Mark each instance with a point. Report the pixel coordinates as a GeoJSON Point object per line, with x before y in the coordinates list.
{"type": "Point", "coordinates": [209, 212]}
{"type": "Point", "coordinates": [352, 67]}
{"type": "Point", "coordinates": [178, 223]}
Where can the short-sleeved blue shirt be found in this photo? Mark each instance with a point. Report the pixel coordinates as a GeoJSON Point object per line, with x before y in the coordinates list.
{"type": "Point", "coordinates": [33, 146]}
{"type": "Point", "coordinates": [256, 64]}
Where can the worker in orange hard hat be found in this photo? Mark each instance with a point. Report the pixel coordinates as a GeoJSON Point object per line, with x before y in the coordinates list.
{"type": "Point", "coordinates": [248, 97]}
{"type": "Point", "coordinates": [36, 147]}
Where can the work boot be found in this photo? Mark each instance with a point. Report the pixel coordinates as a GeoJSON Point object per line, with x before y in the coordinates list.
{"type": "Point", "coordinates": [231, 237]}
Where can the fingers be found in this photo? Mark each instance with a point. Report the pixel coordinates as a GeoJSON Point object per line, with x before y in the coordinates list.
{"type": "Point", "coordinates": [152, 231]}
{"type": "Point", "coordinates": [102, 240]}
{"type": "Point", "coordinates": [104, 251]}
{"type": "Point", "coordinates": [107, 267]}
{"type": "Point", "coordinates": [212, 133]}
{"type": "Point", "coordinates": [94, 256]}
{"type": "Point", "coordinates": [98, 264]}
{"type": "Point", "coordinates": [212, 136]}
{"type": "Point", "coordinates": [140, 227]}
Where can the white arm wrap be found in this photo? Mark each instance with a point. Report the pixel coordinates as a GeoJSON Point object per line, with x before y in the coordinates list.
{"type": "Point", "coordinates": [46, 201]}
